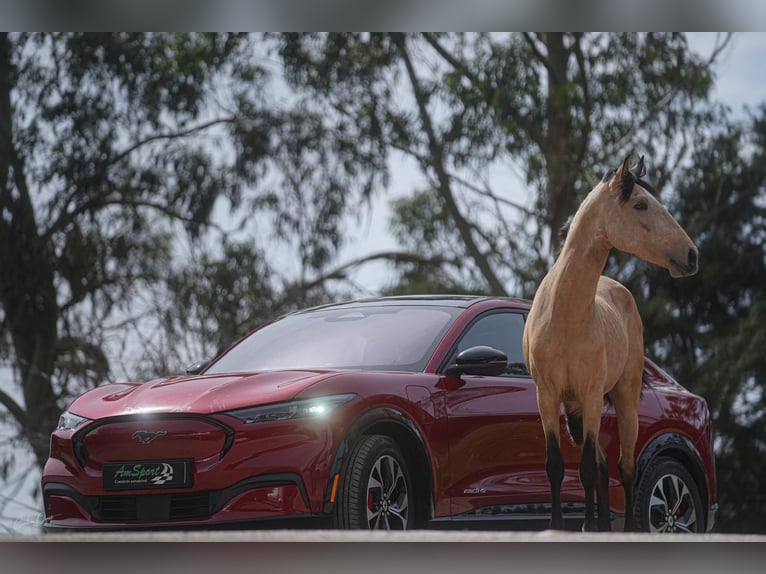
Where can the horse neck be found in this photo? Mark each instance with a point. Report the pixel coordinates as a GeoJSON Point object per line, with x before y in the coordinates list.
{"type": "Point", "coordinates": [575, 274]}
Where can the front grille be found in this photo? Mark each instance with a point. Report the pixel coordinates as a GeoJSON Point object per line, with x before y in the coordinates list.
{"type": "Point", "coordinates": [153, 507]}
{"type": "Point", "coordinates": [118, 509]}
{"type": "Point", "coordinates": [188, 506]}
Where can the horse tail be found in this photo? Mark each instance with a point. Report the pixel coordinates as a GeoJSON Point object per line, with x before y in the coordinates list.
{"type": "Point", "coordinates": [574, 426]}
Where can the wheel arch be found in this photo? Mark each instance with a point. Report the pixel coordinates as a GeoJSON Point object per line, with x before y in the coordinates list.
{"type": "Point", "coordinates": [681, 449]}
{"type": "Point", "coordinates": [396, 425]}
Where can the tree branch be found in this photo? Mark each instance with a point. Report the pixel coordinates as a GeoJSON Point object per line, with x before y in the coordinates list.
{"type": "Point", "coordinates": [340, 272]}
{"type": "Point", "coordinates": [66, 217]}
{"type": "Point", "coordinates": [528, 127]}
{"type": "Point", "coordinates": [168, 136]}
{"type": "Point", "coordinates": [539, 56]}
{"type": "Point", "coordinates": [488, 193]}
{"type": "Point", "coordinates": [14, 408]}
{"type": "Point", "coordinates": [668, 97]}
{"type": "Point", "coordinates": [437, 164]}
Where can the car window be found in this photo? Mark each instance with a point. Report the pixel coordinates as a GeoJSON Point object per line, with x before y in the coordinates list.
{"type": "Point", "coordinates": [386, 337]}
{"type": "Point", "coordinates": [503, 331]}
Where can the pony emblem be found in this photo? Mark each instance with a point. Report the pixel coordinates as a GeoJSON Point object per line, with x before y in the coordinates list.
{"type": "Point", "coordinates": [145, 437]}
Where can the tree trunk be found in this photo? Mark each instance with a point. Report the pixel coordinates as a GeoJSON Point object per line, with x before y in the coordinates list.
{"type": "Point", "coordinates": [560, 139]}
{"type": "Point", "coordinates": [27, 289]}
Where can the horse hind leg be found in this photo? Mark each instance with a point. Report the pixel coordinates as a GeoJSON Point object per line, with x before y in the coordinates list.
{"type": "Point", "coordinates": [628, 430]}
{"type": "Point", "coordinates": [594, 472]}
{"type": "Point", "coordinates": [626, 409]}
{"type": "Point", "coordinates": [602, 491]}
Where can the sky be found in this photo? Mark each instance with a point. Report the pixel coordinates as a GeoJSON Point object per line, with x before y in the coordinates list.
{"type": "Point", "coordinates": [740, 83]}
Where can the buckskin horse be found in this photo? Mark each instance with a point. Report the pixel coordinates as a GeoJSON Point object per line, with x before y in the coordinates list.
{"type": "Point", "coordinates": [583, 339]}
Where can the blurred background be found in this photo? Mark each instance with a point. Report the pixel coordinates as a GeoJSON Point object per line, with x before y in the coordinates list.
{"type": "Point", "coordinates": [161, 194]}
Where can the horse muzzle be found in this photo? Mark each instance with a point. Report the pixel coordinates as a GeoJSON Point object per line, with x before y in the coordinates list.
{"type": "Point", "coordinates": [684, 268]}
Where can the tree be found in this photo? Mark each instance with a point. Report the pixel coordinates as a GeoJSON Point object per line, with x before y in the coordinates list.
{"type": "Point", "coordinates": [560, 108]}
{"type": "Point", "coordinates": [115, 150]}
{"type": "Point", "coordinates": [87, 203]}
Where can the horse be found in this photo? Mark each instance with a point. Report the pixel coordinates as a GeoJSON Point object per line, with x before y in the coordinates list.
{"type": "Point", "coordinates": [583, 338]}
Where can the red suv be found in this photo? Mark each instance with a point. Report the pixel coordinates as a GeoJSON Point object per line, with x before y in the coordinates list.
{"type": "Point", "coordinates": [392, 413]}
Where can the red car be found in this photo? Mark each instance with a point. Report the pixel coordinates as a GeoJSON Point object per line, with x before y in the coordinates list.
{"type": "Point", "coordinates": [392, 413]}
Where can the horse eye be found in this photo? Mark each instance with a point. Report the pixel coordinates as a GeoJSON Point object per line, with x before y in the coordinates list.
{"type": "Point", "coordinates": [641, 206]}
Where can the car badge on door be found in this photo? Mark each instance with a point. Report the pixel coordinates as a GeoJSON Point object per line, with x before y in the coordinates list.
{"type": "Point", "coordinates": [145, 437]}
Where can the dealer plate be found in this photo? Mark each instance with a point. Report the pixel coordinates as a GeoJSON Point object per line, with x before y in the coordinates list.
{"type": "Point", "coordinates": [146, 474]}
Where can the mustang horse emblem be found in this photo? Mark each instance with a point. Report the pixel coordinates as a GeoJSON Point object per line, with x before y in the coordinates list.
{"type": "Point", "coordinates": [145, 437]}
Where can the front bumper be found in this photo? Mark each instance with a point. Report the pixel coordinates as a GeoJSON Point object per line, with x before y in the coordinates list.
{"type": "Point", "coordinates": [261, 497]}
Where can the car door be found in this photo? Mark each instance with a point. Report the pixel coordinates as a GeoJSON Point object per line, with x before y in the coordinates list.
{"type": "Point", "coordinates": [496, 445]}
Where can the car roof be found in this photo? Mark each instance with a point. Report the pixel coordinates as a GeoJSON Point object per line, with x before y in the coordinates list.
{"type": "Point", "coordinates": [459, 301]}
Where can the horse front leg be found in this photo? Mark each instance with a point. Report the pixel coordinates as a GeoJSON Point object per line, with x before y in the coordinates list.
{"type": "Point", "coordinates": [588, 473]}
{"type": "Point", "coordinates": [554, 467]}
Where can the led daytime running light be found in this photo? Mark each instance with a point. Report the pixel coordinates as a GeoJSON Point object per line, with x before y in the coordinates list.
{"type": "Point", "coordinates": [303, 408]}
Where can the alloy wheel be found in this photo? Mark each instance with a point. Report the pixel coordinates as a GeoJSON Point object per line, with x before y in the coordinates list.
{"type": "Point", "coordinates": [671, 506]}
{"type": "Point", "coordinates": [387, 496]}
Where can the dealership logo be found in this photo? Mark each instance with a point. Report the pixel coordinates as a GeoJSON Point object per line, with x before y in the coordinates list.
{"type": "Point", "coordinates": [146, 474]}
{"type": "Point", "coordinates": [138, 473]}
{"type": "Point", "coordinates": [145, 437]}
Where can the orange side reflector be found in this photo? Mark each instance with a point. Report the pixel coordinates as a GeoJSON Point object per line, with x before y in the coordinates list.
{"type": "Point", "coordinates": [334, 488]}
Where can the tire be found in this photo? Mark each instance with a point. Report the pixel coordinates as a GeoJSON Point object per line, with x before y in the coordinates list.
{"type": "Point", "coordinates": [375, 488]}
{"type": "Point", "coordinates": [668, 499]}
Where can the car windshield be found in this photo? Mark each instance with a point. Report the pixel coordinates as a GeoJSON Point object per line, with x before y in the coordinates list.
{"type": "Point", "coordinates": [386, 337]}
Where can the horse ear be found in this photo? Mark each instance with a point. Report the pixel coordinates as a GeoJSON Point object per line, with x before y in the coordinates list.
{"type": "Point", "coordinates": [624, 166]}
{"type": "Point", "coordinates": [639, 170]}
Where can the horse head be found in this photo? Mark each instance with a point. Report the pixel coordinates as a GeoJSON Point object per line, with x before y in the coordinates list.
{"type": "Point", "coordinates": [640, 225]}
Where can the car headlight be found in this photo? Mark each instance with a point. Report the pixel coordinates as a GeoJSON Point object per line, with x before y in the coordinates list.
{"type": "Point", "coordinates": [302, 408]}
{"type": "Point", "coordinates": [70, 421]}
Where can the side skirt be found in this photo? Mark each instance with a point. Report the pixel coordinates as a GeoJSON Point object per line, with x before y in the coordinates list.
{"type": "Point", "coordinates": [521, 517]}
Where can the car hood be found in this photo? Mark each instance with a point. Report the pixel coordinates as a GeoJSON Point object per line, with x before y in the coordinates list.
{"type": "Point", "coordinates": [196, 394]}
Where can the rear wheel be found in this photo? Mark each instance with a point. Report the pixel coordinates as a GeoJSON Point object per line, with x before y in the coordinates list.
{"type": "Point", "coordinates": [668, 499]}
{"type": "Point", "coordinates": [375, 487]}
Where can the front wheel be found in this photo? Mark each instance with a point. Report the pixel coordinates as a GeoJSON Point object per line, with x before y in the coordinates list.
{"type": "Point", "coordinates": [375, 487]}
{"type": "Point", "coordinates": [668, 499]}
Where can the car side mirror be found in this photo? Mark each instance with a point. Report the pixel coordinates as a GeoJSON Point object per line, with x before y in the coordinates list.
{"type": "Point", "coordinates": [480, 360]}
{"type": "Point", "coordinates": [197, 368]}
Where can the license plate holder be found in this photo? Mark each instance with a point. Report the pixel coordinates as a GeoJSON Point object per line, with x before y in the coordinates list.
{"type": "Point", "coordinates": [146, 474]}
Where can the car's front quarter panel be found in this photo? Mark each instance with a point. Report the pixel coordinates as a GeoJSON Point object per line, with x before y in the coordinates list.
{"type": "Point", "coordinates": [387, 400]}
